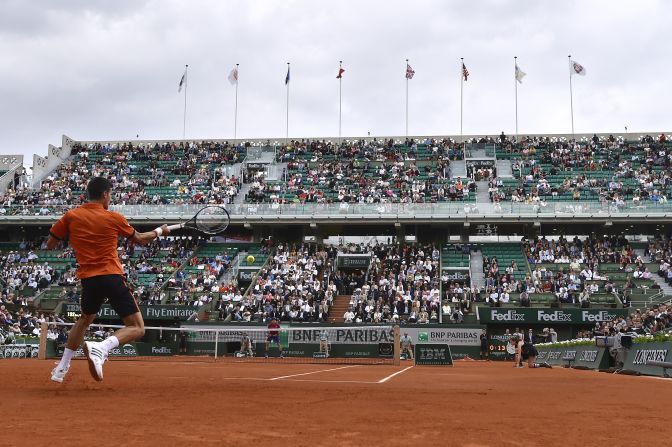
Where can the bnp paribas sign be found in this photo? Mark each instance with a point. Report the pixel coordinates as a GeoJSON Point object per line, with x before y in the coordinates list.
{"type": "Point", "coordinates": [528, 315]}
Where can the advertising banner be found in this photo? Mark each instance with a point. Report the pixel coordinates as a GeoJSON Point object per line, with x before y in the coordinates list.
{"type": "Point", "coordinates": [353, 261]}
{"type": "Point", "coordinates": [575, 356]}
{"type": "Point", "coordinates": [160, 312]}
{"type": "Point", "coordinates": [640, 354]}
{"type": "Point", "coordinates": [19, 351]}
{"type": "Point", "coordinates": [433, 354]}
{"type": "Point", "coordinates": [453, 336]}
{"type": "Point", "coordinates": [460, 275]}
{"type": "Point", "coordinates": [528, 315]}
{"type": "Point", "coordinates": [591, 357]}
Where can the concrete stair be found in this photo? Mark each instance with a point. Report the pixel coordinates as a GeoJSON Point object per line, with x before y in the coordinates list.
{"type": "Point", "coordinates": [476, 269]}
{"type": "Point", "coordinates": [240, 197]}
{"type": "Point", "coordinates": [458, 168]}
{"type": "Point", "coordinates": [482, 195]}
{"type": "Point", "coordinates": [338, 308]}
{"type": "Point", "coordinates": [504, 169]}
{"type": "Point", "coordinates": [664, 287]}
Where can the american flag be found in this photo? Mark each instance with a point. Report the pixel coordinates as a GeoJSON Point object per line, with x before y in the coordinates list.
{"type": "Point", "coordinates": [409, 72]}
{"type": "Point", "coordinates": [465, 72]}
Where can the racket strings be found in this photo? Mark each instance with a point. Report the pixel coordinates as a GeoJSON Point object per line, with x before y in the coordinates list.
{"type": "Point", "coordinates": [212, 219]}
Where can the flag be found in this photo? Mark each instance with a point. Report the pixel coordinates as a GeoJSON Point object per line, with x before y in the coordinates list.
{"type": "Point", "coordinates": [520, 74]}
{"type": "Point", "coordinates": [409, 72]}
{"type": "Point", "coordinates": [577, 68]}
{"type": "Point", "coordinates": [465, 72]}
{"type": "Point", "coordinates": [287, 77]}
{"type": "Point", "coordinates": [183, 81]}
{"type": "Point", "coordinates": [340, 73]}
{"type": "Point", "coordinates": [233, 76]}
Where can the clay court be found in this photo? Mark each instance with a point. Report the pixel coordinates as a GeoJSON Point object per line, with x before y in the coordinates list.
{"type": "Point", "coordinates": [226, 403]}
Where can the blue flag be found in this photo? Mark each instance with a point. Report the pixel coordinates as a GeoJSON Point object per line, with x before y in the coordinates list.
{"type": "Point", "coordinates": [287, 77]}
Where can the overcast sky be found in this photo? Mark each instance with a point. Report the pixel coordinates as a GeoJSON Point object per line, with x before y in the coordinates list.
{"type": "Point", "coordinates": [110, 69]}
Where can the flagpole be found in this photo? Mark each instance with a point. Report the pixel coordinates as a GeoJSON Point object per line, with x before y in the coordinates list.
{"type": "Point", "coordinates": [184, 119]}
{"type": "Point", "coordinates": [407, 99]}
{"type": "Point", "coordinates": [461, 95]}
{"type": "Point", "coordinates": [235, 114]}
{"type": "Point", "coordinates": [515, 83]}
{"type": "Point", "coordinates": [571, 95]}
{"type": "Point", "coordinates": [287, 116]}
{"type": "Point", "coordinates": [340, 98]}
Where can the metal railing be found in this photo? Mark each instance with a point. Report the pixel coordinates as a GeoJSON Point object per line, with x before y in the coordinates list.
{"type": "Point", "coordinates": [382, 210]}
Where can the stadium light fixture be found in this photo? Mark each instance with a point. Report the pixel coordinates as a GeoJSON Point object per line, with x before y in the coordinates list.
{"type": "Point", "coordinates": [608, 223]}
{"type": "Point", "coordinates": [247, 225]}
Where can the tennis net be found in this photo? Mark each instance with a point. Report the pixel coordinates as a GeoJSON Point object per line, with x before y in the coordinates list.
{"type": "Point", "coordinates": [242, 343]}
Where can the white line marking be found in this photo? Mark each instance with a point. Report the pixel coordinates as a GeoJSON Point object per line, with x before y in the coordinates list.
{"type": "Point", "coordinates": [394, 374]}
{"type": "Point", "coordinates": [331, 381]}
{"type": "Point", "coordinates": [313, 372]}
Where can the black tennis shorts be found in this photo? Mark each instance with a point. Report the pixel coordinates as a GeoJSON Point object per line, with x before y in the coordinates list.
{"type": "Point", "coordinates": [111, 287]}
{"type": "Point", "coordinates": [528, 350]}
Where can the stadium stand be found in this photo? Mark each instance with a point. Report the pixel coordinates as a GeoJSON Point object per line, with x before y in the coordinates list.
{"type": "Point", "coordinates": [417, 282]}
{"type": "Point", "coordinates": [605, 169]}
{"type": "Point", "coordinates": [402, 285]}
{"type": "Point", "coordinates": [141, 174]}
{"type": "Point", "coordinates": [293, 287]}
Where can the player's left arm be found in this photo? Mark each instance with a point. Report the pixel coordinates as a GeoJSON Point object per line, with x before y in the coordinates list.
{"type": "Point", "coordinates": [58, 232]}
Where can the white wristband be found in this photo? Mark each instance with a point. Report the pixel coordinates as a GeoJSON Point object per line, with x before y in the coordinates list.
{"type": "Point", "coordinates": [158, 231]}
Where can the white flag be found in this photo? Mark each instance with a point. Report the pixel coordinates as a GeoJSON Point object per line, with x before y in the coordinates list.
{"type": "Point", "coordinates": [520, 74]}
{"type": "Point", "coordinates": [183, 81]}
{"type": "Point", "coordinates": [233, 76]}
{"type": "Point", "coordinates": [577, 68]}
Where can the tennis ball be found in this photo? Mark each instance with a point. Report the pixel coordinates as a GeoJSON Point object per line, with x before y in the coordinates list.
{"type": "Point", "coordinates": [250, 259]}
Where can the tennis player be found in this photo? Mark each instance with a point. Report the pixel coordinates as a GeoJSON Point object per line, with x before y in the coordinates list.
{"type": "Point", "coordinates": [92, 231]}
{"type": "Point", "coordinates": [406, 345]}
{"type": "Point", "coordinates": [273, 336]}
{"type": "Point", "coordinates": [517, 343]}
{"type": "Point", "coordinates": [324, 342]}
{"type": "Point", "coordinates": [529, 354]}
{"type": "Point", "coordinates": [246, 345]}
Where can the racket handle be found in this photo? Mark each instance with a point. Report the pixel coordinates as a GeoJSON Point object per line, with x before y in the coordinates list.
{"type": "Point", "coordinates": [175, 227]}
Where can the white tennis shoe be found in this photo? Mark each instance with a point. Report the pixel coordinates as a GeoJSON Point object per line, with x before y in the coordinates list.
{"type": "Point", "coordinates": [58, 374]}
{"type": "Point", "coordinates": [96, 357]}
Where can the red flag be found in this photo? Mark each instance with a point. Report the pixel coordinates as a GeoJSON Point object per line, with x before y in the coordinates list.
{"type": "Point", "coordinates": [340, 73]}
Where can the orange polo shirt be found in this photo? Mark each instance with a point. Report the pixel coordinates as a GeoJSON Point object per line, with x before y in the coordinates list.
{"type": "Point", "coordinates": [93, 232]}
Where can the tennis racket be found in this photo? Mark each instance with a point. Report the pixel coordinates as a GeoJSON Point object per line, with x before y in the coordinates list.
{"type": "Point", "coordinates": [510, 348]}
{"type": "Point", "coordinates": [208, 220]}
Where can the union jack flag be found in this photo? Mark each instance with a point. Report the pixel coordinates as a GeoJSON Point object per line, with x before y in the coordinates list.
{"type": "Point", "coordinates": [409, 72]}
{"type": "Point", "coordinates": [465, 72]}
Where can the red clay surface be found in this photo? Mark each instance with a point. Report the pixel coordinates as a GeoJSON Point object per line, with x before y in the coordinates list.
{"type": "Point", "coordinates": [246, 404]}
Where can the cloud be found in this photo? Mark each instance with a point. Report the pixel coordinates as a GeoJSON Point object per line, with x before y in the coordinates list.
{"type": "Point", "coordinates": [109, 70]}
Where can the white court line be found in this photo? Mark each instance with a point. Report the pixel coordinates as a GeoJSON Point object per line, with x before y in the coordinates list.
{"type": "Point", "coordinates": [394, 374]}
{"type": "Point", "coordinates": [331, 381]}
{"type": "Point", "coordinates": [313, 372]}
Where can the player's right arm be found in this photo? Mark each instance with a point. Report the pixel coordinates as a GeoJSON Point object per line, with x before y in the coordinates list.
{"type": "Point", "coordinates": [148, 236]}
{"type": "Point", "coordinates": [126, 230]}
